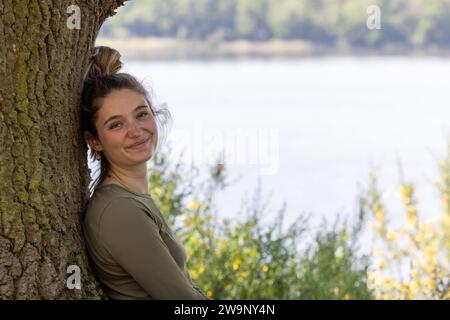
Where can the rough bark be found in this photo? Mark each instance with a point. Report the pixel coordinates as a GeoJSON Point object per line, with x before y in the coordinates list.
{"type": "Point", "coordinates": [43, 169]}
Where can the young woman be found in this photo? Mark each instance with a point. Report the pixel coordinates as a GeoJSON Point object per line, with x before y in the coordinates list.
{"type": "Point", "coordinates": [134, 252]}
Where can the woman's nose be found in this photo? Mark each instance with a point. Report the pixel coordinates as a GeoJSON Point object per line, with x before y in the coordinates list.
{"type": "Point", "coordinates": [133, 129]}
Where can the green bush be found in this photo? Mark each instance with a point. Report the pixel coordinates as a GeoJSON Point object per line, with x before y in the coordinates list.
{"type": "Point", "coordinates": [246, 258]}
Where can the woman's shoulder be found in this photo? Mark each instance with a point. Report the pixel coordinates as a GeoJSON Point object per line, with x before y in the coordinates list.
{"type": "Point", "coordinates": [111, 204]}
{"type": "Point", "coordinates": [105, 194]}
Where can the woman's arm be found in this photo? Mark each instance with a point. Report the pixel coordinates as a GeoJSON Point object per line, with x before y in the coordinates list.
{"type": "Point", "coordinates": [133, 239]}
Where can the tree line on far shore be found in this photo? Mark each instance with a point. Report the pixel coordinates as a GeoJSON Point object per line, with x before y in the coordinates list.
{"type": "Point", "coordinates": [338, 23]}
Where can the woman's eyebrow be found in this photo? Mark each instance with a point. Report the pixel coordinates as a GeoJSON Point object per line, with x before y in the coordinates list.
{"type": "Point", "coordinates": [118, 115]}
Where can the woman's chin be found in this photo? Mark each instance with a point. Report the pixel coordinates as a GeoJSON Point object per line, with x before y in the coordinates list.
{"type": "Point", "coordinates": [143, 156]}
{"type": "Point", "coordinates": [137, 156]}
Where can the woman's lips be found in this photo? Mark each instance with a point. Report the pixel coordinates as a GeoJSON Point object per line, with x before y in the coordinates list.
{"type": "Point", "coordinates": [138, 145]}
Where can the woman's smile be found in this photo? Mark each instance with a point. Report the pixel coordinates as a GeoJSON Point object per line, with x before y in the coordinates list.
{"type": "Point", "coordinates": [138, 145]}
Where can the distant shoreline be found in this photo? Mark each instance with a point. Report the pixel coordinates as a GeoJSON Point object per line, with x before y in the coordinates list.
{"type": "Point", "coordinates": [178, 49]}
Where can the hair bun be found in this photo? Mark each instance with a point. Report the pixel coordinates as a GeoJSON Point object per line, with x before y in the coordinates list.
{"type": "Point", "coordinates": [104, 62]}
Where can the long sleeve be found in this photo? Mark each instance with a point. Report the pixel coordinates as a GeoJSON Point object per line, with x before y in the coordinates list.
{"type": "Point", "coordinates": [131, 235]}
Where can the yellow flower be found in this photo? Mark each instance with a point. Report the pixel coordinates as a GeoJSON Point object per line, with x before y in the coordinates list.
{"type": "Point", "coordinates": [339, 253]}
{"type": "Point", "coordinates": [201, 269]}
{"type": "Point", "coordinates": [432, 283]}
{"type": "Point", "coordinates": [371, 276]}
{"type": "Point", "coordinates": [379, 215]}
{"type": "Point", "coordinates": [430, 266]}
{"type": "Point", "coordinates": [265, 268]}
{"type": "Point", "coordinates": [235, 265]}
{"type": "Point", "coordinates": [447, 296]}
{"type": "Point", "coordinates": [246, 274]}
{"type": "Point", "coordinates": [347, 296]}
{"type": "Point", "coordinates": [392, 235]}
{"type": "Point", "coordinates": [193, 273]}
{"type": "Point", "coordinates": [412, 209]}
{"type": "Point", "coordinates": [446, 220]}
{"type": "Point", "coordinates": [252, 252]}
{"type": "Point", "coordinates": [411, 218]}
{"type": "Point", "coordinates": [405, 230]}
{"type": "Point", "coordinates": [388, 282]}
{"type": "Point", "coordinates": [209, 293]}
{"type": "Point", "coordinates": [403, 287]}
{"type": "Point", "coordinates": [419, 238]}
{"type": "Point", "coordinates": [157, 191]}
{"type": "Point", "coordinates": [385, 296]}
{"type": "Point", "coordinates": [414, 287]}
{"type": "Point", "coordinates": [430, 252]}
{"type": "Point", "coordinates": [406, 192]}
{"type": "Point", "coordinates": [222, 243]}
{"type": "Point", "coordinates": [382, 264]}
{"type": "Point", "coordinates": [377, 252]}
{"type": "Point", "coordinates": [193, 205]}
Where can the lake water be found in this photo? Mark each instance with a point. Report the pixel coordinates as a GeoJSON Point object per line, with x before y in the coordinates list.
{"type": "Point", "coordinates": [310, 129]}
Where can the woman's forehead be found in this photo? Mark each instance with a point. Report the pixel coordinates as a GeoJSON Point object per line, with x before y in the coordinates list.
{"type": "Point", "coordinates": [121, 102]}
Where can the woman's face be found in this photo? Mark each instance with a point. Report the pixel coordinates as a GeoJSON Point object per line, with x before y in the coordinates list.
{"type": "Point", "coordinates": [126, 128]}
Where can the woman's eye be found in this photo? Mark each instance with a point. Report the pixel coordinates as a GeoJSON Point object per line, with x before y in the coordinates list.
{"type": "Point", "coordinates": [115, 125]}
{"type": "Point", "coordinates": [143, 114]}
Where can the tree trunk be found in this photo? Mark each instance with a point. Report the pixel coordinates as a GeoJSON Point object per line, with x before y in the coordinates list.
{"type": "Point", "coordinates": [43, 167]}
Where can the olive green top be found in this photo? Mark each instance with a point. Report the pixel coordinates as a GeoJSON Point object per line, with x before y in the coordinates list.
{"type": "Point", "coordinates": [134, 253]}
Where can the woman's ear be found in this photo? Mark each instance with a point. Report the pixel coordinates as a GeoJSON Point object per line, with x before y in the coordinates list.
{"type": "Point", "coordinates": [92, 141]}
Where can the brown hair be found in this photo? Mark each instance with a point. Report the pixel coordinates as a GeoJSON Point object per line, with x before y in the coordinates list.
{"type": "Point", "coordinates": [101, 78]}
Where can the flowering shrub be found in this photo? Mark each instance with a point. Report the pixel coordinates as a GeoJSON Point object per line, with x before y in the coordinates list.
{"type": "Point", "coordinates": [243, 258]}
{"type": "Point", "coordinates": [413, 261]}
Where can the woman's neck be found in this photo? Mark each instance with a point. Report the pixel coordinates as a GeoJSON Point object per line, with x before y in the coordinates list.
{"type": "Point", "coordinates": [134, 179]}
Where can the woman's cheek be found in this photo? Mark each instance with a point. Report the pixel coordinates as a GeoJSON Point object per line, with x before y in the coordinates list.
{"type": "Point", "coordinates": [114, 141]}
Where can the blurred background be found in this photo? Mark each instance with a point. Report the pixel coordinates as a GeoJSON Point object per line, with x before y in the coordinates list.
{"type": "Point", "coordinates": [302, 99]}
{"type": "Point", "coordinates": [341, 98]}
